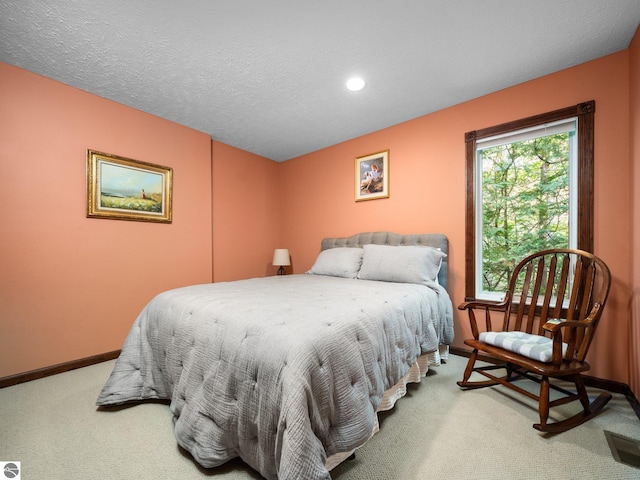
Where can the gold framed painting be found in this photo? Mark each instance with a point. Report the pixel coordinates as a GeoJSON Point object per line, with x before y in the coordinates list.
{"type": "Point", "coordinates": [124, 189]}
{"type": "Point", "coordinates": [372, 176]}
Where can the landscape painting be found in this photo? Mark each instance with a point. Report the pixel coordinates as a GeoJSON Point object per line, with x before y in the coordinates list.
{"type": "Point", "coordinates": [125, 189]}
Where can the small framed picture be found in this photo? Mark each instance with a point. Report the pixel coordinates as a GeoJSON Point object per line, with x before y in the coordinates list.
{"type": "Point", "coordinates": [372, 176]}
{"type": "Point", "coordinates": [124, 189]}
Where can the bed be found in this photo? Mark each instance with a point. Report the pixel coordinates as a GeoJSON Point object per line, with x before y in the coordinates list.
{"type": "Point", "coordinates": [289, 372]}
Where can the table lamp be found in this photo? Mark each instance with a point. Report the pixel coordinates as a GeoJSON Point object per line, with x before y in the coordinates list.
{"type": "Point", "coordinates": [280, 259]}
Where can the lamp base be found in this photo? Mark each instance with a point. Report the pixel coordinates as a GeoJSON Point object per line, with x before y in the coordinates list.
{"type": "Point", "coordinates": [282, 271]}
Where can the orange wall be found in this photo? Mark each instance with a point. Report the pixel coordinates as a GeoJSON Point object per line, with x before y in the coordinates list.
{"type": "Point", "coordinates": [246, 215]}
{"type": "Point", "coordinates": [427, 185]}
{"type": "Point", "coordinates": [634, 82]}
{"type": "Point", "coordinates": [71, 286]}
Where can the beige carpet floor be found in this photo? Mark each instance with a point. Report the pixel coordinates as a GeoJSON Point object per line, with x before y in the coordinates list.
{"type": "Point", "coordinates": [54, 429]}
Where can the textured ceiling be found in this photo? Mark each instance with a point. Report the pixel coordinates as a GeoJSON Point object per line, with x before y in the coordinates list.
{"type": "Point", "coordinates": [268, 76]}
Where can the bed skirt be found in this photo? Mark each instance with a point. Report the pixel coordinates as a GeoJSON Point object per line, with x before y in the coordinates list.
{"type": "Point", "coordinates": [395, 393]}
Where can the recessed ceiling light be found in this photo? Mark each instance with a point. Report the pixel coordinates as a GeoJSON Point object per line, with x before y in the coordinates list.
{"type": "Point", "coordinates": [355, 84]}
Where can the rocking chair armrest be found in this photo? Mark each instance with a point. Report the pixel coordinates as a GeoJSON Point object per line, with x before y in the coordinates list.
{"type": "Point", "coordinates": [554, 325]}
{"type": "Point", "coordinates": [492, 305]}
{"type": "Point", "coordinates": [487, 306]}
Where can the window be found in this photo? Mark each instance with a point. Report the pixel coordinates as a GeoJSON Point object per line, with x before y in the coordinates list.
{"type": "Point", "coordinates": [529, 187]}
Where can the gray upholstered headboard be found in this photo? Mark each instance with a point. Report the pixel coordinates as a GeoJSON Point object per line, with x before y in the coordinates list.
{"type": "Point", "coordinates": [436, 240]}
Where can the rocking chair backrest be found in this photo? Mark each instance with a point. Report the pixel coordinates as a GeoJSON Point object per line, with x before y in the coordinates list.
{"type": "Point", "coordinates": [566, 284]}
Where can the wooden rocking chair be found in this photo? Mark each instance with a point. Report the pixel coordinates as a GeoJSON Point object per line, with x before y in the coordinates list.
{"type": "Point", "coordinates": [551, 310]}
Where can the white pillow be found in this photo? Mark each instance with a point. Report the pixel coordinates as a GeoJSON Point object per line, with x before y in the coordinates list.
{"type": "Point", "coordinates": [338, 262]}
{"type": "Point", "coordinates": [402, 264]}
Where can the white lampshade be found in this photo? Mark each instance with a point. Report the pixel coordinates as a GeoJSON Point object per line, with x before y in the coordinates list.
{"type": "Point", "coordinates": [281, 257]}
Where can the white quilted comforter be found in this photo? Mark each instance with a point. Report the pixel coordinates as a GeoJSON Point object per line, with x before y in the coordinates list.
{"type": "Point", "coordinates": [280, 371]}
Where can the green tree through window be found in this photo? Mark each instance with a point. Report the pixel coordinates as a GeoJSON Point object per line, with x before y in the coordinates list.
{"type": "Point", "coordinates": [525, 203]}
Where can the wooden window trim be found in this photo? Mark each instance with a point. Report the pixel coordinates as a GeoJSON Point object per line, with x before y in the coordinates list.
{"type": "Point", "coordinates": [585, 112]}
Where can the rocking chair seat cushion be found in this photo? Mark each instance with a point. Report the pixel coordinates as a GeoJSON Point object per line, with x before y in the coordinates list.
{"type": "Point", "coordinates": [531, 346]}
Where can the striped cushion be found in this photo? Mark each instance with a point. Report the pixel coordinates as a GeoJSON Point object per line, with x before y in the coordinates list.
{"type": "Point", "coordinates": [530, 346]}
